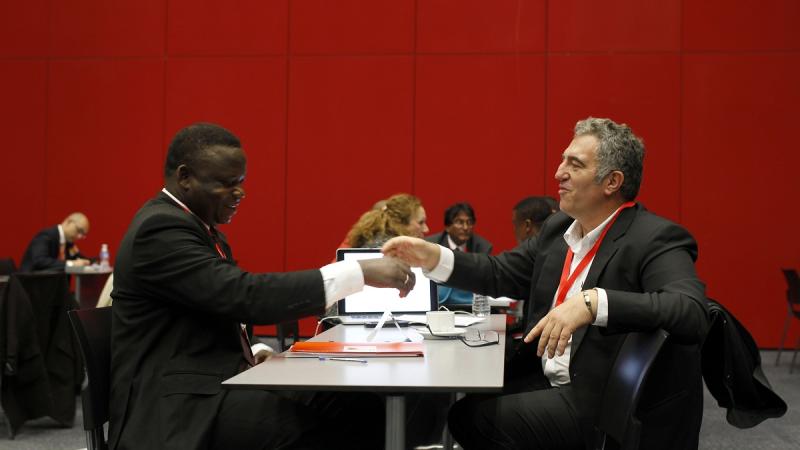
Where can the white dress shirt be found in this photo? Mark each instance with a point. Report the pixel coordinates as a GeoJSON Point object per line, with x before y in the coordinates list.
{"type": "Point", "coordinates": [556, 369]}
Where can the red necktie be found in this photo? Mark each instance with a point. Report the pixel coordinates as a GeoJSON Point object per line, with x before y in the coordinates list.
{"type": "Point", "coordinates": [62, 253]}
{"type": "Point", "coordinates": [247, 352]}
{"type": "Point", "coordinates": [244, 340]}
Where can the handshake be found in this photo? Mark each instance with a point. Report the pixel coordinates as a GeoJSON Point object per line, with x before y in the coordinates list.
{"type": "Point", "coordinates": [394, 270]}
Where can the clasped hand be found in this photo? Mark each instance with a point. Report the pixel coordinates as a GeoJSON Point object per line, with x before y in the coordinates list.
{"type": "Point", "coordinates": [388, 272]}
{"type": "Point", "coordinates": [557, 326]}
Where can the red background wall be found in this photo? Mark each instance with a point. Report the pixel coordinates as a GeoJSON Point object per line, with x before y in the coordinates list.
{"type": "Point", "coordinates": [448, 99]}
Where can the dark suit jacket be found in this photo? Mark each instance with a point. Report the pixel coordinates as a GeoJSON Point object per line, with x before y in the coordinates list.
{"type": "Point", "coordinates": [42, 252]}
{"type": "Point", "coordinates": [645, 264]}
{"type": "Point", "coordinates": [175, 329]}
{"type": "Point", "coordinates": [475, 244]}
{"type": "Point", "coordinates": [41, 365]}
{"type": "Point", "coordinates": [732, 371]}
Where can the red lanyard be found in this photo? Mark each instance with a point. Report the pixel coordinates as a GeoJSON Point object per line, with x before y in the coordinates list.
{"type": "Point", "coordinates": [566, 280]}
{"type": "Point", "coordinates": [211, 233]}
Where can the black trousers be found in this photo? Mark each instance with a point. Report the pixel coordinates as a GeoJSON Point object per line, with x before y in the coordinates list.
{"type": "Point", "coordinates": [299, 420]}
{"type": "Point", "coordinates": [530, 414]}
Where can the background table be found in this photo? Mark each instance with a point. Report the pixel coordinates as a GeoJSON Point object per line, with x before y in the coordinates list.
{"type": "Point", "coordinates": [89, 281]}
{"type": "Point", "coordinates": [448, 366]}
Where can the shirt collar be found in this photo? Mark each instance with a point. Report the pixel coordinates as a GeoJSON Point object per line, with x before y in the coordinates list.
{"type": "Point", "coordinates": [454, 246]}
{"type": "Point", "coordinates": [580, 245]}
{"type": "Point", "coordinates": [182, 205]}
{"type": "Point", "coordinates": [62, 240]}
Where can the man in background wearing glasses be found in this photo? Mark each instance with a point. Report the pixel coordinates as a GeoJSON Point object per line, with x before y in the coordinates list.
{"type": "Point", "coordinates": [459, 224]}
{"type": "Point", "coordinates": [54, 248]}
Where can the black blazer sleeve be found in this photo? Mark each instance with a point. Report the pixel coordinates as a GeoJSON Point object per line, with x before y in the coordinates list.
{"type": "Point", "coordinates": [177, 262]}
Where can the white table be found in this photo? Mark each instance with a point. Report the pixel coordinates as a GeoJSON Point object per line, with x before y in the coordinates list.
{"type": "Point", "coordinates": [448, 366]}
{"type": "Point", "coordinates": [81, 271]}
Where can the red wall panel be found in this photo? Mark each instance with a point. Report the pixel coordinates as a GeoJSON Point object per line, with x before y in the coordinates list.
{"type": "Point", "coordinates": [213, 27]}
{"type": "Point", "coordinates": [107, 28]}
{"type": "Point", "coordinates": [22, 125]}
{"type": "Point", "coordinates": [350, 142]}
{"type": "Point", "coordinates": [104, 126]}
{"type": "Point", "coordinates": [642, 90]}
{"type": "Point", "coordinates": [247, 96]}
{"type": "Point", "coordinates": [485, 147]}
{"type": "Point", "coordinates": [378, 97]}
{"type": "Point", "coordinates": [469, 26]}
{"type": "Point", "coordinates": [742, 25]}
{"type": "Point", "coordinates": [740, 180]}
{"type": "Point", "coordinates": [23, 28]}
{"type": "Point", "coordinates": [632, 25]}
{"type": "Point", "coordinates": [352, 26]}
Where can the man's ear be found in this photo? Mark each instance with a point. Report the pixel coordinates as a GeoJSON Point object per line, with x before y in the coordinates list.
{"type": "Point", "coordinates": [613, 182]}
{"type": "Point", "coordinates": [182, 175]}
{"type": "Point", "coordinates": [529, 227]}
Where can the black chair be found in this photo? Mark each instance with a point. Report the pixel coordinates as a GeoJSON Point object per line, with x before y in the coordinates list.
{"type": "Point", "coordinates": [41, 361]}
{"type": "Point", "coordinates": [793, 303]}
{"type": "Point", "coordinates": [93, 329]}
{"type": "Point", "coordinates": [7, 266]}
{"type": "Point", "coordinates": [617, 417]}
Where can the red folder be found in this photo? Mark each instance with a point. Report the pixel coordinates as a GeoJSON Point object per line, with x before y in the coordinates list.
{"type": "Point", "coordinates": [362, 349]}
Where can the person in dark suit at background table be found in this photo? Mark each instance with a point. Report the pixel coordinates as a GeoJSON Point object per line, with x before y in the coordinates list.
{"type": "Point", "coordinates": [54, 248]}
{"type": "Point", "coordinates": [641, 277]}
{"type": "Point", "coordinates": [459, 225]}
{"type": "Point", "coordinates": [180, 305]}
{"type": "Point", "coordinates": [529, 214]}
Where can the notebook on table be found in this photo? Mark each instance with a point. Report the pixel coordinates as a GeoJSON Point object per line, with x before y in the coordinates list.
{"type": "Point", "coordinates": [377, 349]}
{"type": "Point", "coordinates": [367, 306]}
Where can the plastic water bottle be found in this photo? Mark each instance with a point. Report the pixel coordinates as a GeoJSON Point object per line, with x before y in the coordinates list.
{"type": "Point", "coordinates": [480, 305]}
{"type": "Point", "coordinates": [104, 256]}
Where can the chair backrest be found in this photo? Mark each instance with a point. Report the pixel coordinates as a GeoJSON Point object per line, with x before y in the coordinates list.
{"type": "Point", "coordinates": [792, 287]}
{"type": "Point", "coordinates": [7, 266]}
{"type": "Point", "coordinates": [93, 329]}
{"type": "Point", "coordinates": [617, 416]}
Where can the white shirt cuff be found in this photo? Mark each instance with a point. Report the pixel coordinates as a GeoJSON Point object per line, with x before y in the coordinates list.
{"type": "Point", "coordinates": [602, 308]}
{"type": "Point", "coordinates": [444, 268]}
{"type": "Point", "coordinates": [261, 347]}
{"type": "Point", "coordinates": [341, 279]}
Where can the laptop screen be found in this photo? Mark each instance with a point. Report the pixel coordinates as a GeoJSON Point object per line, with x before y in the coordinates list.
{"type": "Point", "coordinates": [377, 300]}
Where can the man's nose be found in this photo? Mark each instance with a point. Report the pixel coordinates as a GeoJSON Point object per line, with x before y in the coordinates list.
{"type": "Point", "coordinates": [239, 193]}
{"type": "Point", "coordinates": [560, 172]}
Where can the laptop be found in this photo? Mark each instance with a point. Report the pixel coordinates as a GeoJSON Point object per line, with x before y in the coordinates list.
{"type": "Point", "coordinates": [367, 306]}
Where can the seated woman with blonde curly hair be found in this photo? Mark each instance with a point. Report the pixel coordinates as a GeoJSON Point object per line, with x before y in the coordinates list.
{"type": "Point", "coordinates": [401, 215]}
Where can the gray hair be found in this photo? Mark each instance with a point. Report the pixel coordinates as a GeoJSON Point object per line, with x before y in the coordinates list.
{"type": "Point", "coordinates": [618, 149]}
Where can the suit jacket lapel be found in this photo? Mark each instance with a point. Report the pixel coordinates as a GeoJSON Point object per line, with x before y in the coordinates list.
{"type": "Point", "coordinates": [209, 239]}
{"type": "Point", "coordinates": [607, 249]}
{"type": "Point", "coordinates": [550, 277]}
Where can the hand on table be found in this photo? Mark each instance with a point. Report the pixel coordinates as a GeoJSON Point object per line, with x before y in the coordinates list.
{"type": "Point", "coordinates": [388, 272]}
{"type": "Point", "coordinates": [261, 352]}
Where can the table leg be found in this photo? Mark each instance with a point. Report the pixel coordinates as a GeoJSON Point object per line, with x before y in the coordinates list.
{"type": "Point", "coordinates": [78, 290]}
{"type": "Point", "coordinates": [447, 438]}
{"type": "Point", "coordinates": [395, 422]}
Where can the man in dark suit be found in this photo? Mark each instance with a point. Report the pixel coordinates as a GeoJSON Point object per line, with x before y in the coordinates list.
{"type": "Point", "coordinates": [529, 214]}
{"type": "Point", "coordinates": [180, 305]}
{"type": "Point", "coordinates": [54, 247]}
{"type": "Point", "coordinates": [600, 268]}
{"type": "Point", "coordinates": [459, 224]}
